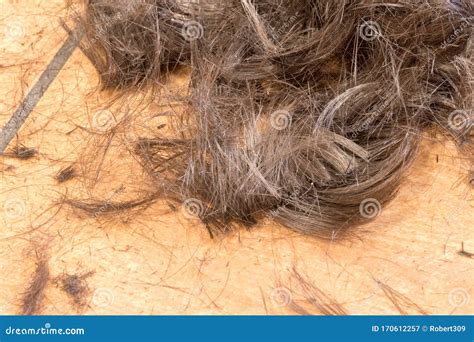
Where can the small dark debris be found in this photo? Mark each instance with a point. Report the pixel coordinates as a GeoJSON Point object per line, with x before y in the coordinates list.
{"type": "Point", "coordinates": [172, 206]}
{"type": "Point", "coordinates": [9, 168]}
{"type": "Point", "coordinates": [76, 287]}
{"type": "Point", "coordinates": [22, 152]}
{"type": "Point", "coordinates": [463, 252]}
{"type": "Point", "coordinates": [66, 174]}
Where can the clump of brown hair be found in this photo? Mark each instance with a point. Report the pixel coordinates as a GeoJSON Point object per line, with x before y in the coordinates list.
{"type": "Point", "coordinates": [32, 298]}
{"type": "Point", "coordinates": [22, 152]}
{"type": "Point", "coordinates": [306, 111]}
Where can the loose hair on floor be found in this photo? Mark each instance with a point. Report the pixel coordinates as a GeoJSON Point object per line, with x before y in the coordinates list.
{"type": "Point", "coordinates": [307, 112]}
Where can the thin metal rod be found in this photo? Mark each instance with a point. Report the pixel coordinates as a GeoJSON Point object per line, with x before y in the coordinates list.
{"type": "Point", "coordinates": [41, 86]}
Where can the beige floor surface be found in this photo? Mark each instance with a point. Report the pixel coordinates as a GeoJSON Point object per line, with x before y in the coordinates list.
{"type": "Point", "coordinates": [407, 260]}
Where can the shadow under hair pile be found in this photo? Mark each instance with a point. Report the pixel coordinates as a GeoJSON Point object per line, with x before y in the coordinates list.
{"type": "Point", "coordinates": [305, 111]}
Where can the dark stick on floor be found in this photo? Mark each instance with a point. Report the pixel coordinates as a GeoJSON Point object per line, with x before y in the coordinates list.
{"type": "Point", "coordinates": [41, 86]}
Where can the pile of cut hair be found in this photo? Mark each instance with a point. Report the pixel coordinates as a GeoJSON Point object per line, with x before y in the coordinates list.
{"type": "Point", "coordinates": [298, 110]}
